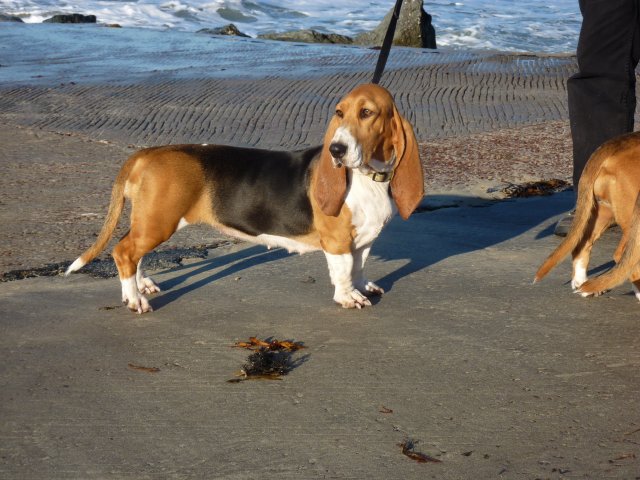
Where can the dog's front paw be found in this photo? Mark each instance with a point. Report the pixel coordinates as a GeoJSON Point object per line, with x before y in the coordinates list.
{"type": "Point", "coordinates": [351, 299]}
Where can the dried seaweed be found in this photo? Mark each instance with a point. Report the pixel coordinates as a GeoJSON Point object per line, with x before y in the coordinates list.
{"type": "Point", "coordinates": [255, 344]}
{"type": "Point", "coordinates": [140, 368]}
{"type": "Point", "coordinates": [535, 189]}
{"type": "Point", "coordinates": [408, 449]}
{"type": "Point", "coordinates": [270, 360]}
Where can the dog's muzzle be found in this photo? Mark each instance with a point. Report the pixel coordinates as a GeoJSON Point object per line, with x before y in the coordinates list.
{"type": "Point", "coordinates": [338, 151]}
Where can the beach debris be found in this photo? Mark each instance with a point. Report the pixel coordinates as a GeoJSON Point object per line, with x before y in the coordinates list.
{"type": "Point", "coordinates": [535, 189]}
{"type": "Point", "coordinates": [408, 449]}
{"type": "Point", "coordinates": [270, 359]}
{"type": "Point", "coordinates": [255, 343]}
{"type": "Point", "coordinates": [385, 410]}
{"type": "Point", "coordinates": [140, 368]}
{"type": "Point", "coordinates": [624, 456]}
{"type": "Point", "coordinates": [110, 307]}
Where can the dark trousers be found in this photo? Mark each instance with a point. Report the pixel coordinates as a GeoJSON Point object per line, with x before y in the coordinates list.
{"type": "Point", "coordinates": [602, 97]}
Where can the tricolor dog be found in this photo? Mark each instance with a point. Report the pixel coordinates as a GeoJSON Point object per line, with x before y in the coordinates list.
{"type": "Point", "coordinates": [607, 195]}
{"type": "Point", "coordinates": [336, 197]}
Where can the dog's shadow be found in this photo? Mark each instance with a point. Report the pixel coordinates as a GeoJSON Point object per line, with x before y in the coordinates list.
{"type": "Point", "coordinates": [427, 238]}
{"type": "Point", "coordinates": [430, 237]}
{"type": "Point", "coordinates": [235, 263]}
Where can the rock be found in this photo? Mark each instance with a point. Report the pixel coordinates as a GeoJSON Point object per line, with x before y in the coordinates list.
{"type": "Point", "coordinates": [230, 29]}
{"type": "Point", "coordinates": [307, 36]}
{"type": "Point", "coordinates": [414, 28]}
{"type": "Point", "coordinates": [9, 18]}
{"type": "Point", "coordinates": [71, 18]}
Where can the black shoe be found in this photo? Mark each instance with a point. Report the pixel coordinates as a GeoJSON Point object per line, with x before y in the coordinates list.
{"type": "Point", "coordinates": [564, 225]}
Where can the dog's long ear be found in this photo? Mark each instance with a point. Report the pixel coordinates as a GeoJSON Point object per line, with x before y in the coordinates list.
{"type": "Point", "coordinates": [407, 184]}
{"type": "Point", "coordinates": [330, 182]}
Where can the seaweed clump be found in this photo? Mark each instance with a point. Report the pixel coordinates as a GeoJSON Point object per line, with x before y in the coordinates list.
{"type": "Point", "coordinates": [270, 359]}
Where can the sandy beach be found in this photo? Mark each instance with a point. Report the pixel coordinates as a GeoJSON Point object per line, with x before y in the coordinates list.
{"type": "Point", "coordinates": [462, 370]}
{"type": "Point", "coordinates": [67, 123]}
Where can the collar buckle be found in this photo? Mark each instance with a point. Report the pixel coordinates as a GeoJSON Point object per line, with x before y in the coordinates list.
{"type": "Point", "coordinates": [381, 176]}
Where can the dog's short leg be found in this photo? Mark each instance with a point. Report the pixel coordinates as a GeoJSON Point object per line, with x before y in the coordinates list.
{"type": "Point", "coordinates": [635, 282]}
{"type": "Point", "coordinates": [580, 271]}
{"type": "Point", "coordinates": [359, 281]}
{"type": "Point", "coordinates": [582, 253]}
{"type": "Point", "coordinates": [145, 284]}
{"type": "Point", "coordinates": [340, 268]}
{"type": "Point", "coordinates": [141, 239]}
{"type": "Point", "coordinates": [132, 298]}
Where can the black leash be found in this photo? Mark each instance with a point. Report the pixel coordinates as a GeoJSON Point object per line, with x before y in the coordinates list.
{"type": "Point", "coordinates": [386, 44]}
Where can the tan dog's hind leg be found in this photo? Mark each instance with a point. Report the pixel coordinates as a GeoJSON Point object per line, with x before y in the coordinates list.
{"type": "Point", "coordinates": [128, 255]}
{"type": "Point", "coordinates": [161, 198]}
{"type": "Point", "coordinates": [635, 282]}
{"type": "Point", "coordinates": [629, 262]}
{"type": "Point", "coordinates": [145, 283]}
{"type": "Point", "coordinates": [582, 253]}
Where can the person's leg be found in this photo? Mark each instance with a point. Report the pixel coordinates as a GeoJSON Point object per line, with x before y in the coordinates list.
{"type": "Point", "coordinates": [601, 95]}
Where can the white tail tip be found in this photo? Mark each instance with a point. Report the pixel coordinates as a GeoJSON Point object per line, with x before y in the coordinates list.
{"type": "Point", "coordinates": [75, 266]}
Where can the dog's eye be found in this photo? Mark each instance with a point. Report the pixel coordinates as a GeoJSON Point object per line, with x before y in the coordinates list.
{"type": "Point", "coordinates": [339, 113]}
{"type": "Point", "coordinates": [365, 113]}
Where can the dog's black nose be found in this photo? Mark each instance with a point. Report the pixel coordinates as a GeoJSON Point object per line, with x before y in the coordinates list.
{"type": "Point", "coordinates": [337, 150]}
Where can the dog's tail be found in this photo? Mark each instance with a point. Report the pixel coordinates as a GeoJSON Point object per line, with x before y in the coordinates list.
{"type": "Point", "coordinates": [585, 209]}
{"type": "Point", "coordinates": [115, 210]}
{"type": "Point", "coordinates": [629, 260]}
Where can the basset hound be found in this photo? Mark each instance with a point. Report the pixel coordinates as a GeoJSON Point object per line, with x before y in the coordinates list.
{"type": "Point", "coordinates": [336, 197]}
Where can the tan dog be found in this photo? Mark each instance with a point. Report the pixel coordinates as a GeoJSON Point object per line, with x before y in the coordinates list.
{"type": "Point", "coordinates": [301, 200]}
{"type": "Point", "coordinates": [607, 193]}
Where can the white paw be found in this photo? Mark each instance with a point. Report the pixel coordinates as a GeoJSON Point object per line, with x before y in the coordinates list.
{"type": "Point", "coordinates": [138, 304]}
{"type": "Point", "coordinates": [587, 294]}
{"type": "Point", "coordinates": [369, 288]}
{"type": "Point", "coordinates": [373, 289]}
{"type": "Point", "coordinates": [148, 286]}
{"type": "Point", "coordinates": [576, 282]}
{"type": "Point", "coordinates": [351, 299]}
{"type": "Point", "coordinates": [579, 275]}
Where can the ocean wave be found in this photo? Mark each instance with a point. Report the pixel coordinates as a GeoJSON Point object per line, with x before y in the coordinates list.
{"type": "Point", "coordinates": [526, 25]}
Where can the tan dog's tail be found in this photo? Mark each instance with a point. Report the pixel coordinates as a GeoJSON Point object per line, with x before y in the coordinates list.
{"type": "Point", "coordinates": [115, 209]}
{"type": "Point", "coordinates": [629, 260]}
{"type": "Point", "coordinates": [584, 211]}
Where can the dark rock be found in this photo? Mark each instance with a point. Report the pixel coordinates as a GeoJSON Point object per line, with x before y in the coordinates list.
{"type": "Point", "coordinates": [71, 18]}
{"type": "Point", "coordinates": [230, 29]}
{"type": "Point", "coordinates": [414, 28]}
{"type": "Point", "coordinates": [307, 36]}
{"type": "Point", "coordinates": [9, 18]}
